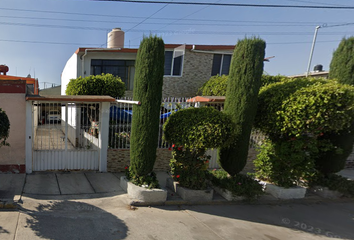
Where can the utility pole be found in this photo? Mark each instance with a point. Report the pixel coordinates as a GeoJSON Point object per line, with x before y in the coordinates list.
{"type": "Point", "coordinates": [312, 48]}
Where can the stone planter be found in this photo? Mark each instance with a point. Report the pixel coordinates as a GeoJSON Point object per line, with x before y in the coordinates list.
{"type": "Point", "coordinates": [227, 194]}
{"type": "Point", "coordinates": [143, 194]}
{"type": "Point", "coordinates": [190, 195]}
{"type": "Point", "coordinates": [285, 193]}
{"type": "Point", "coordinates": [325, 192]}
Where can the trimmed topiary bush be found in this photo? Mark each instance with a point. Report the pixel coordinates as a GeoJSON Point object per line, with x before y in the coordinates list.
{"type": "Point", "coordinates": [199, 128]}
{"type": "Point", "coordinates": [192, 131]}
{"type": "Point", "coordinates": [4, 128]}
{"type": "Point", "coordinates": [304, 116]}
{"type": "Point", "coordinates": [105, 84]}
{"type": "Point", "coordinates": [148, 83]}
{"type": "Point", "coordinates": [320, 108]}
{"type": "Point", "coordinates": [270, 102]}
{"type": "Point", "coordinates": [241, 100]}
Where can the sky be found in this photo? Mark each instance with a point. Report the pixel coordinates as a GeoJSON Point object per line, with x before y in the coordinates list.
{"type": "Point", "coordinates": [37, 37]}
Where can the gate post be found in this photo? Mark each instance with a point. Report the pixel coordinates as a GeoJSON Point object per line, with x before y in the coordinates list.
{"type": "Point", "coordinates": [103, 136]}
{"type": "Point", "coordinates": [29, 136]}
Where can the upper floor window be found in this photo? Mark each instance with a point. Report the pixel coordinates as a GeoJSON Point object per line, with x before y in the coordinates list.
{"type": "Point", "coordinates": [221, 64]}
{"type": "Point", "coordinates": [173, 63]}
{"type": "Point", "coordinates": [120, 68]}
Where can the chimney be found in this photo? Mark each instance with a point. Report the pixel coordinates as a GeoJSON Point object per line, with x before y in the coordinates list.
{"type": "Point", "coordinates": [115, 38]}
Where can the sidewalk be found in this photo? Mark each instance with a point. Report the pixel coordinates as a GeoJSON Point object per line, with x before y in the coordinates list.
{"type": "Point", "coordinates": [43, 185]}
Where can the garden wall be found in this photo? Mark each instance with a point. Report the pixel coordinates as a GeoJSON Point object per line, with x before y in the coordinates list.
{"type": "Point", "coordinates": [117, 159]}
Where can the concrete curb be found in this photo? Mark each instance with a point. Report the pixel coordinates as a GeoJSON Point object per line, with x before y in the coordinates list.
{"type": "Point", "coordinates": [9, 204]}
{"type": "Point", "coordinates": [244, 202]}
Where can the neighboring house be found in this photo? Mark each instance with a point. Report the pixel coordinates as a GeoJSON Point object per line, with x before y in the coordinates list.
{"type": "Point", "coordinates": [50, 91]}
{"type": "Point", "coordinates": [187, 67]}
{"type": "Point", "coordinates": [317, 73]}
{"type": "Point", "coordinates": [13, 102]}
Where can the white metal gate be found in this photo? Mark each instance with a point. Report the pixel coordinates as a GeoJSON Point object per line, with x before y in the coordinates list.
{"type": "Point", "coordinates": [65, 136]}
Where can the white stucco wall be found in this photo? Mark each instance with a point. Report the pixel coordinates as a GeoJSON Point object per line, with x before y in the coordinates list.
{"type": "Point", "coordinates": [14, 104]}
{"type": "Point", "coordinates": [70, 71]}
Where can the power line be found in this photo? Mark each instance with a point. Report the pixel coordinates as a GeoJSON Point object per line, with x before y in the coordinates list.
{"type": "Point", "coordinates": [43, 42]}
{"type": "Point", "coordinates": [171, 31]}
{"type": "Point", "coordinates": [222, 22]}
{"type": "Point", "coordinates": [235, 4]}
{"type": "Point", "coordinates": [91, 44]}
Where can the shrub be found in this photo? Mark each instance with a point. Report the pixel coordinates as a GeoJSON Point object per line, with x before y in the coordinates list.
{"type": "Point", "coordinates": [241, 101]}
{"type": "Point", "coordinates": [189, 166]}
{"type": "Point", "coordinates": [199, 128]}
{"type": "Point", "coordinates": [217, 85]}
{"type": "Point", "coordinates": [286, 163]}
{"type": "Point", "coordinates": [105, 84]}
{"type": "Point", "coordinates": [320, 108]}
{"type": "Point", "coordinates": [192, 131]}
{"type": "Point", "coordinates": [342, 64]}
{"type": "Point", "coordinates": [341, 146]}
{"type": "Point", "coordinates": [148, 83]}
{"type": "Point", "coordinates": [4, 128]}
{"type": "Point", "coordinates": [270, 102]}
{"type": "Point", "coordinates": [238, 185]}
{"type": "Point", "coordinates": [336, 183]}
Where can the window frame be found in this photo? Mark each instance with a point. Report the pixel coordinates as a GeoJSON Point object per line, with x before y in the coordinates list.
{"type": "Point", "coordinates": [221, 63]}
{"type": "Point", "coordinates": [173, 62]}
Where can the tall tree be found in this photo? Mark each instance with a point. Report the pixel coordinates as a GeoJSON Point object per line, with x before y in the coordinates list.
{"type": "Point", "coordinates": [342, 64]}
{"type": "Point", "coordinates": [148, 82]}
{"type": "Point", "coordinates": [243, 86]}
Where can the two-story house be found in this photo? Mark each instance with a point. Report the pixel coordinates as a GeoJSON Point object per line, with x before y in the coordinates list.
{"type": "Point", "coordinates": [187, 67]}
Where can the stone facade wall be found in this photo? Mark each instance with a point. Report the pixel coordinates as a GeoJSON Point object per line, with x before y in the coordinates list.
{"type": "Point", "coordinates": [196, 71]}
{"type": "Point", "coordinates": [117, 159]}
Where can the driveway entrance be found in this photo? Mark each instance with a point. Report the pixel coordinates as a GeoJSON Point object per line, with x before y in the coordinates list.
{"type": "Point", "coordinates": [70, 134]}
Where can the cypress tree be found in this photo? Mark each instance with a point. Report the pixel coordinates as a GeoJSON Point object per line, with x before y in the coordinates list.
{"type": "Point", "coordinates": [148, 82]}
{"type": "Point", "coordinates": [342, 64]}
{"type": "Point", "coordinates": [241, 100]}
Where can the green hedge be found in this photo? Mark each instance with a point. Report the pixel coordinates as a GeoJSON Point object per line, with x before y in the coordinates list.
{"type": "Point", "coordinates": [105, 84]}
{"type": "Point", "coordinates": [270, 102]}
{"type": "Point", "coordinates": [199, 128]}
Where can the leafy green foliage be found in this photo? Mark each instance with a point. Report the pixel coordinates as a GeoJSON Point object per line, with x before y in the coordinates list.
{"type": "Point", "coordinates": [238, 185]}
{"type": "Point", "coordinates": [199, 128]}
{"type": "Point", "coordinates": [241, 100]}
{"type": "Point", "coordinates": [4, 128]}
{"type": "Point", "coordinates": [105, 84]}
{"type": "Point", "coordinates": [217, 85]}
{"type": "Point", "coordinates": [285, 163]}
{"type": "Point", "coordinates": [342, 64]}
{"type": "Point", "coordinates": [270, 102]}
{"type": "Point", "coordinates": [189, 167]}
{"type": "Point", "coordinates": [192, 131]}
{"type": "Point", "coordinates": [333, 160]}
{"type": "Point", "coordinates": [336, 183]}
{"type": "Point", "coordinates": [148, 83]}
{"type": "Point", "coordinates": [318, 108]}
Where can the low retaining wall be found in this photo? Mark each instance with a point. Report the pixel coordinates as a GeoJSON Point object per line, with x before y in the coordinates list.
{"type": "Point", "coordinates": [117, 159]}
